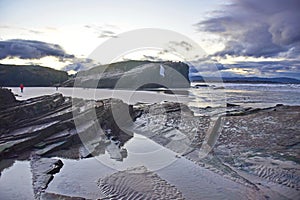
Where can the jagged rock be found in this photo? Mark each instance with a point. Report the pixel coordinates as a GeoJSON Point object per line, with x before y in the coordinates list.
{"type": "Point", "coordinates": [231, 105]}
{"type": "Point", "coordinates": [46, 124]}
{"type": "Point", "coordinates": [43, 170]}
{"type": "Point", "coordinates": [260, 142]}
{"type": "Point", "coordinates": [6, 97]}
{"type": "Point", "coordinates": [245, 140]}
{"type": "Point", "coordinates": [50, 148]}
{"type": "Point", "coordinates": [248, 141]}
{"type": "Point", "coordinates": [172, 125]}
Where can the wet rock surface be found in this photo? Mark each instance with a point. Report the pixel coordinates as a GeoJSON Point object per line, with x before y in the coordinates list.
{"type": "Point", "coordinates": [172, 125]}
{"type": "Point", "coordinates": [265, 143]}
{"type": "Point", "coordinates": [46, 124]}
{"type": "Point", "coordinates": [246, 144]}
{"type": "Point", "coordinates": [43, 170]}
{"type": "Point", "coordinates": [40, 128]}
{"type": "Point", "coordinates": [258, 148]}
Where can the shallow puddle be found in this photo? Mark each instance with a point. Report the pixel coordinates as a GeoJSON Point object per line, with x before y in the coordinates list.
{"type": "Point", "coordinates": [16, 181]}
{"type": "Point", "coordinates": [79, 177]}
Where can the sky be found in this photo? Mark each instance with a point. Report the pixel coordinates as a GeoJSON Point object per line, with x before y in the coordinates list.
{"type": "Point", "coordinates": [239, 37]}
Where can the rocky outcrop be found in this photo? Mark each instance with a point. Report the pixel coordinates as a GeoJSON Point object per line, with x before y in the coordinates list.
{"type": "Point", "coordinates": [6, 97]}
{"type": "Point", "coordinates": [172, 125]}
{"type": "Point", "coordinates": [265, 143]}
{"type": "Point", "coordinates": [46, 124]}
{"type": "Point", "coordinates": [43, 170]}
{"type": "Point", "coordinates": [246, 144]}
{"type": "Point", "coordinates": [258, 148]}
{"type": "Point", "coordinates": [134, 75]}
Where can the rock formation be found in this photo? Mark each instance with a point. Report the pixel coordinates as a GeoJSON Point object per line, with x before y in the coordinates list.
{"type": "Point", "coordinates": [241, 144]}
{"type": "Point", "coordinates": [134, 75]}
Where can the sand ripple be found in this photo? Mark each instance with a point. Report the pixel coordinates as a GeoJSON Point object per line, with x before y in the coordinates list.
{"type": "Point", "coordinates": [138, 183]}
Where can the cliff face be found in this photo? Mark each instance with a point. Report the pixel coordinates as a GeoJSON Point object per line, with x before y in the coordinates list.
{"type": "Point", "coordinates": [13, 75]}
{"type": "Point", "coordinates": [135, 75]}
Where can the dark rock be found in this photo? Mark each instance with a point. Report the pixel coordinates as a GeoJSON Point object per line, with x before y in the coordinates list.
{"type": "Point", "coordinates": [146, 74]}
{"type": "Point", "coordinates": [6, 97]}
{"type": "Point", "coordinates": [46, 124]}
{"type": "Point", "coordinates": [55, 167]}
{"type": "Point", "coordinates": [201, 86]}
{"type": "Point", "coordinates": [231, 105]}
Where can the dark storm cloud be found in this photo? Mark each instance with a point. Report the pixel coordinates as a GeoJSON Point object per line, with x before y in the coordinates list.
{"type": "Point", "coordinates": [267, 28]}
{"type": "Point", "coordinates": [206, 67]}
{"type": "Point", "coordinates": [269, 66]}
{"type": "Point", "coordinates": [285, 68]}
{"type": "Point", "coordinates": [80, 64]}
{"type": "Point", "coordinates": [74, 66]}
{"type": "Point", "coordinates": [30, 49]}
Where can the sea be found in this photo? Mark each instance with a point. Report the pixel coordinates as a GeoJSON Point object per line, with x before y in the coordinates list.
{"type": "Point", "coordinates": [199, 95]}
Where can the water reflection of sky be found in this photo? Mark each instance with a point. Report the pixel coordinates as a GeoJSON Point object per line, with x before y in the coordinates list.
{"type": "Point", "coordinates": [253, 95]}
{"type": "Point", "coordinates": [16, 181]}
{"type": "Point", "coordinates": [141, 152]}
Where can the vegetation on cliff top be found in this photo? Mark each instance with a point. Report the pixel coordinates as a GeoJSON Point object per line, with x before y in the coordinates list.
{"type": "Point", "coordinates": [30, 75]}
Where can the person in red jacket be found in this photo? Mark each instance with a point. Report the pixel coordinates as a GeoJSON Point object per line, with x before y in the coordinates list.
{"type": "Point", "coordinates": [21, 87]}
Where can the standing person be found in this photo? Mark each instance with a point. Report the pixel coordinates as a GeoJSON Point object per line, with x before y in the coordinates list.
{"type": "Point", "coordinates": [21, 87]}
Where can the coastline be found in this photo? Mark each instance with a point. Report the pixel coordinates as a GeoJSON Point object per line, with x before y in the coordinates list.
{"type": "Point", "coordinates": [42, 131]}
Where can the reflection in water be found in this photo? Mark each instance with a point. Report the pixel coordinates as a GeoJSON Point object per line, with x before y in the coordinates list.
{"type": "Point", "coordinates": [79, 177]}
{"type": "Point", "coordinates": [140, 151]}
{"type": "Point", "coordinates": [16, 181]}
{"type": "Point", "coordinates": [254, 95]}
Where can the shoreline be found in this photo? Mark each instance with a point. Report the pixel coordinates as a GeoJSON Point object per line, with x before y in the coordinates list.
{"type": "Point", "coordinates": [44, 132]}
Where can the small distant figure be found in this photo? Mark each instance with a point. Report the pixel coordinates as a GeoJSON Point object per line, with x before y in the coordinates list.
{"type": "Point", "coordinates": [21, 87]}
{"type": "Point", "coordinates": [56, 86]}
{"type": "Point", "coordinates": [162, 71]}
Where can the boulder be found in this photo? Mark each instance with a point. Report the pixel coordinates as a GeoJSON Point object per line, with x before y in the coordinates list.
{"type": "Point", "coordinates": [6, 97]}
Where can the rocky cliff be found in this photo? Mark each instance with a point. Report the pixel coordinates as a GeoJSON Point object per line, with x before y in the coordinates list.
{"type": "Point", "coordinates": [134, 75]}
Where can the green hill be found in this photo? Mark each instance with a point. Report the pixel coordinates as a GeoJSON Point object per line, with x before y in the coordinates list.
{"type": "Point", "coordinates": [30, 75]}
{"type": "Point", "coordinates": [134, 75]}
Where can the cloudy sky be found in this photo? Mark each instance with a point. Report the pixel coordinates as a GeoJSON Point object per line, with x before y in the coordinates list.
{"type": "Point", "coordinates": [240, 37]}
